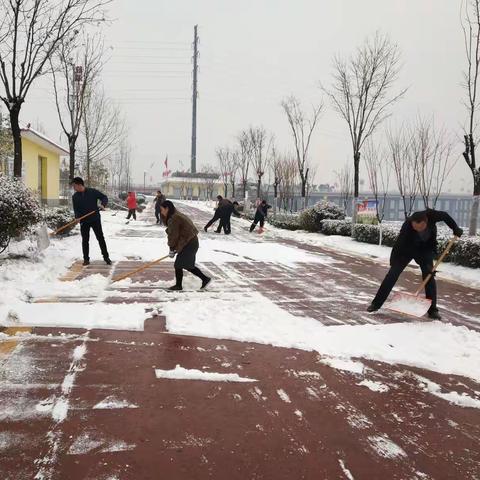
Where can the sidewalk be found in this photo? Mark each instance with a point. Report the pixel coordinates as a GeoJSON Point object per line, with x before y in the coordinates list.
{"type": "Point", "coordinates": [88, 404]}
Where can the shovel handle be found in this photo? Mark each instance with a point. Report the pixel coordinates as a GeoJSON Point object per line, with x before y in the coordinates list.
{"type": "Point", "coordinates": [437, 263]}
{"type": "Point", "coordinates": [73, 222]}
{"type": "Point", "coordinates": [143, 267]}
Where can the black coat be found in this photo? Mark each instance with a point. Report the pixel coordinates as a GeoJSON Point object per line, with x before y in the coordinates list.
{"type": "Point", "coordinates": [227, 210]}
{"type": "Point", "coordinates": [409, 244]}
{"type": "Point", "coordinates": [262, 211]}
{"type": "Point", "coordinates": [87, 201]}
{"type": "Point", "coordinates": [158, 201]}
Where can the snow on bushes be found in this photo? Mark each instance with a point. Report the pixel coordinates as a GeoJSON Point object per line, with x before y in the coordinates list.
{"type": "Point", "coordinates": [337, 227]}
{"type": "Point", "coordinates": [285, 221]}
{"type": "Point", "coordinates": [311, 218]}
{"type": "Point", "coordinates": [58, 217]}
{"type": "Point", "coordinates": [19, 209]}
{"type": "Point", "coordinates": [371, 234]}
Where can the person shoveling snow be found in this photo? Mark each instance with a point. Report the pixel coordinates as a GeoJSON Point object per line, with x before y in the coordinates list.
{"type": "Point", "coordinates": [417, 241]}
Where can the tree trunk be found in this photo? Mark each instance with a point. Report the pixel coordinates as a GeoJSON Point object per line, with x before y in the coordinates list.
{"type": "Point", "coordinates": [17, 140]}
{"type": "Point", "coordinates": [71, 148]}
{"type": "Point", "coordinates": [356, 183]}
{"type": "Point", "coordinates": [475, 203]}
{"type": "Point", "coordinates": [259, 186]}
{"type": "Point", "coordinates": [225, 190]}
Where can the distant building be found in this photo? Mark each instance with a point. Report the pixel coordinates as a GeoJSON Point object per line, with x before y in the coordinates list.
{"type": "Point", "coordinates": [41, 165]}
{"type": "Point", "coordinates": [192, 186]}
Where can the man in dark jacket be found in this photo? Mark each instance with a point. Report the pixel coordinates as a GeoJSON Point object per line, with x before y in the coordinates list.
{"type": "Point", "coordinates": [260, 215]}
{"type": "Point", "coordinates": [417, 241]}
{"type": "Point", "coordinates": [85, 200]}
{"type": "Point", "coordinates": [221, 202]}
{"type": "Point", "coordinates": [225, 213]}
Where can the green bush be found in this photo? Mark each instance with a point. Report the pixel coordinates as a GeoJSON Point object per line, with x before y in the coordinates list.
{"type": "Point", "coordinates": [285, 221]}
{"type": "Point", "coordinates": [311, 218]}
{"type": "Point", "coordinates": [336, 227]}
{"type": "Point", "coordinates": [58, 217]}
{"type": "Point", "coordinates": [19, 209]}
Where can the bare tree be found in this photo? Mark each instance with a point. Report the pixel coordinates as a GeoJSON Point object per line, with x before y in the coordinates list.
{"type": "Point", "coordinates": [120, 166]}
{"type": "Point", "coordinates": [302, 130]}
{"type": "Point", "coordinates": [6, 144]}
{"type": "Point", "coordinates": [344, 181]}
{"type": "Point", "coordinates": [30, 32]}
{"type": "Point", "coordinates": [275, 171]}
{"type": "Point", "coordinates": [404, 163]}
{"type": "Point", "coordinates": [361, 92]}
{"type": "Point", "coordinates": [233, 166]}
{"type": "Point", "coordinates": [470, 19]}
{"type": "Point", "coordinates": [102, 127]}
{"type": "Point", "coordinates": [210, 180]}
{"type": "Point", "coordinates": [288, 178]}
{"type": "Point", "coordinates": [260, 147]}
{"type": "Point", "coordinates": [379, 171]}
{"type": "Point", "coordinates": [433, 151]}
{"type": "Point", "coordinates": [75, 67]}
{"type": "Point", "coordinates": [244, 157]}
{"type": "Point", "coordinates": [224, 162]}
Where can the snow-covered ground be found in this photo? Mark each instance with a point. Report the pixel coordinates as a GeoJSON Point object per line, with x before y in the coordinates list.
{"type": "Point", "coordinates": [245, 316]}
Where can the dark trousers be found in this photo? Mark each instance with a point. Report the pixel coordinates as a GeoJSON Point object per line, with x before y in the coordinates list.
{"type": "Point", "coordinates": [397, 266]}
{"type": "Point", "coordinates": [225, 224]}
{"type": "Point", "coordinates": [195, 271]}
{"type": "Point", "coordinates": [258, 218]}
{"type": "Point", "coordinates": [157, 215]}
{"type": "Point", "coordinates": [96, 226]}
{"type": "Point", "coordinates": [132, 212]}
{"type": "Point", "coordinates": [216, 216]}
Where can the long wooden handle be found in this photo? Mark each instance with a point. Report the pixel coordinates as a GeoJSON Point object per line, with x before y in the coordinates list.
{"type": "Point", "coordinates": [437, 263]}
{"type": "Point", "coordinates": [144, 267]}
{"type": "Point", "coordinates": [73, 222]}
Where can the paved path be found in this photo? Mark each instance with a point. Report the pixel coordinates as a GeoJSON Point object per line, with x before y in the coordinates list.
{"type": "Point", "coordinates": [77, 404]}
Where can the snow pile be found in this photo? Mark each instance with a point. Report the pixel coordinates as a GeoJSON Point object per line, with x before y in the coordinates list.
{"type": "Point", "coordinates": [74, 315]}
{"type": "Point", "coordinates": [254, 318]}
{"type": "Point", "coordinates": [180, 373]}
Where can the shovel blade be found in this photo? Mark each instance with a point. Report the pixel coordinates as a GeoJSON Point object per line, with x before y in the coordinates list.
{"type": "Point", "coordinates": [43, 241]}
{"type": "Point", "coordinates": [409, 304]}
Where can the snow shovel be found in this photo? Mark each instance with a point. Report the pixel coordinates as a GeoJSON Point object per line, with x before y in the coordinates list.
{"type": "Point", "coordinates": [412, 304]}
{"type": "Point", "coordinates": [73, 222]}
{"type": "Point", "coordinates": [140, 269]}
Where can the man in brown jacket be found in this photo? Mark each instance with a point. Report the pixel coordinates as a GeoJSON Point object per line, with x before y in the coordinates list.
{"type": "Point", "coordinates": [183, 242]}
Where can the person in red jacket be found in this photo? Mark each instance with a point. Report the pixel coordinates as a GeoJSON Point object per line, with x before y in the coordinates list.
{"type": "Point", "coordinates": [132, 205]}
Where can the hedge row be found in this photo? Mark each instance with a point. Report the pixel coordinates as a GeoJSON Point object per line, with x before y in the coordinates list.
{"type": "Point", "coordinates": [465, 252]}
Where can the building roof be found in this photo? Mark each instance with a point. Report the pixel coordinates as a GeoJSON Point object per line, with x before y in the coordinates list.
{"type": "Point", "coordinates": [40, 139]}
{"type": "Point", "coordinates": [200, 175]}
{"type": "Point", "coordinates": [190, 180]}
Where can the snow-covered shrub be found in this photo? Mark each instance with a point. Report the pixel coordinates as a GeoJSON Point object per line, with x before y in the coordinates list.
{"type": "Point", "coordinates": [465, 252]}
{"type": "Point", "coordinates": [311, 218]}
{"type": "Point", "coordinates": [371, 234]}
{"type": "Point", "coordinates": [19, 209]}
{"type": "Point", "coordinates": [57, 217]}
{"type": "Point", "coordinates": [285, 221]}
{"type": "Point", "coordinates": [336, 227]}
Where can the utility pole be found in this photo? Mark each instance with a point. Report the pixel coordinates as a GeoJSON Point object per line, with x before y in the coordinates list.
{"type": "Point", "coordinates": [194, 102]}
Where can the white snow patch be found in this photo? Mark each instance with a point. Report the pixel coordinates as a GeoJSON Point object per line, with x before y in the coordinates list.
{"type": "Point", "coordinates": [385, 447]}
{"type": "Point", "coordinates": [98, 315]}
{"type": "Point", "coordinates": [112, 402]}
{"type": "Point", "coordinates": [345, 470]}
{"type": "Point", "coordinates": [180, 373]}
{"type": "Point", "coordinates": [298, 413]}
{"type": "Point", "coordinates": [283, 395]}
{"type": "Point", "coordinates": [60, 409]}
{"type": "Point", "coordinates": [461, 400]}
{"type": "Point", "coordinates": [344, 364]}
{"type": "Point", "coordinates": [374, 386]}
{"type": "Point", "coordinates": [419, 344]}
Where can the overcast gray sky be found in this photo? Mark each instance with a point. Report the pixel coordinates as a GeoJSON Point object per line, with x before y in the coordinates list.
{"type": "Point", "coordinates": [253, 53]}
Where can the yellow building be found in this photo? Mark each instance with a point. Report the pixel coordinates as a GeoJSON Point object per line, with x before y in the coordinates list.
{"type": "Point", "coordinates": [192, 186]}
{"type": "Point", "coordinates": [41, 165]}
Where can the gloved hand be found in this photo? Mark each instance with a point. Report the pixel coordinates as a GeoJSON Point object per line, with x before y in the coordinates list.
{"type": "Point", "coordinates": [458, 232]}
{"type": "Point", "coordinates": [172, 253]}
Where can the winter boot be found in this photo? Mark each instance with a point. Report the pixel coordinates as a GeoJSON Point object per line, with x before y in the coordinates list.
{"type": "Point", "coordinates": [434, 314]}
{"type": "Point", "coordinates": [86, 262]}
{"type": "Point", "coordinates": [108, 261]}
{"type": "Point", "coordinates": [372, 308]}
{"type": "Point", "coordinates": [175, 288]}
{"type": "Point", "coordinates": [205, 283]}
